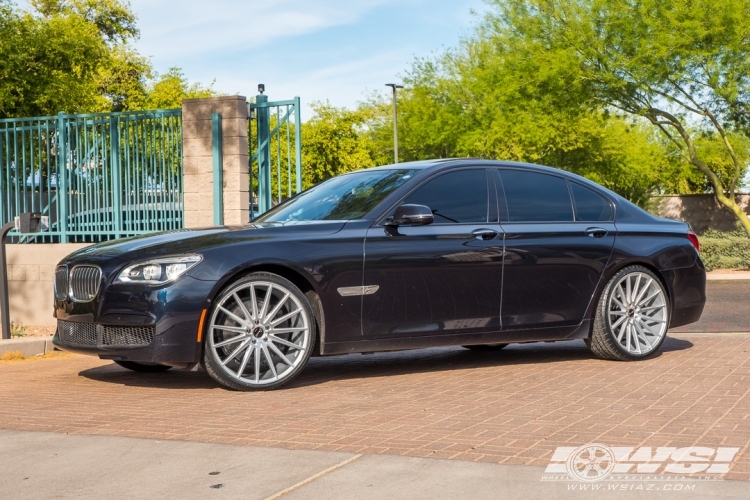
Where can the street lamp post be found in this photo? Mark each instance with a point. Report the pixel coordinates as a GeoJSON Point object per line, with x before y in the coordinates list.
{"type": "Point", "coordinates": [395, 122]}
{"type": "Point", "coordinates": [4, 306]}
{"type": "Point", "coordinates": [24, 223]}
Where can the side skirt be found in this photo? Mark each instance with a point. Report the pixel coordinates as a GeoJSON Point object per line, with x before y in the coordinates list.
{"type": "Point", "coordinates": [400, 344]}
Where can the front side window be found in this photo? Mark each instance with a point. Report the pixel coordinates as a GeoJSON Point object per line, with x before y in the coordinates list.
{"type": "Point", "coordinates": [590, 206]}
{"type": "Point", "coordinates": [456, 197]}
{"type": "Point", "coordinates": [347, 197]}
{"type": "Point", "coordinates": [536, 197]}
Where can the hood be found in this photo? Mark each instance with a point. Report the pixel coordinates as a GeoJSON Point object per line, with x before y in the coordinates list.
{"type": "Point", "coordinates": [184, 241]}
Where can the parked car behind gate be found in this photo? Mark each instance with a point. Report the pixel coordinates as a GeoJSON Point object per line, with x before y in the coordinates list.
{"type": "Point", "coordinates": [436, 253]}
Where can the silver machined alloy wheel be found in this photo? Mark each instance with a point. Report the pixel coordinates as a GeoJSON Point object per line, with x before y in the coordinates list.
{"type": "Point", "coordinates": [260, 334]}
{"type": "Point", "coordinates": [632, 317]}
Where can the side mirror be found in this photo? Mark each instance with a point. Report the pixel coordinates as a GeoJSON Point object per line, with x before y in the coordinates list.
{"type": "Point", "coordinates": [412, 215]}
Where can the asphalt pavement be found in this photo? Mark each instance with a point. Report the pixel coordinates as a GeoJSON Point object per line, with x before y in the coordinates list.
{"type": "Point", "coordinates": [727, 308]}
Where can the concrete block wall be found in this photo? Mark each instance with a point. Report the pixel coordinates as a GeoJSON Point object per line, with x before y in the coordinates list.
{"type": "Point", "coordinates": [198, 160]}
{"type": "Point", "coordinates": [702, 211]}
{"type": "Point", "coordinates": [30, 276]}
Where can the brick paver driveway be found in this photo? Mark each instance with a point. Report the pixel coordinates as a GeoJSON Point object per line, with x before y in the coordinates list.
{"type": "Point", "coordinates": [513, 406]}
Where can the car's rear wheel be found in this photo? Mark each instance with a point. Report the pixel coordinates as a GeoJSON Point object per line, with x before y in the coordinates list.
{"type": "Point", "coordinates": [632, 316]}
{"type": "Point", "coordinates": [260, 334]}
{"type": "Point", "coordinates": [485, 347]}
{"type": "Point", "coordinates": [143, 367]}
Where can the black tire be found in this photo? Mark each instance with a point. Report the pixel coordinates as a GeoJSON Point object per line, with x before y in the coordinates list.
{"type": "Point", "coordinates": [143, 367]}
{"type": "Point", "coordinates": [603, 342]}
{"type": "Point", "coordinates": [485, 347]}
{"type": "Point", "coordinates": [211, 358]}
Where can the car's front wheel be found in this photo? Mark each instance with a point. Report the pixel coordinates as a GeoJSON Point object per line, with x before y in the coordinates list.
{"type": "Point", "coordinates": [260, 334]}
{"type": "Point", "coordinates": [632, 316]}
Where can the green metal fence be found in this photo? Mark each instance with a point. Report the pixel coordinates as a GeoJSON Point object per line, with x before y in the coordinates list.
{"type": "Point", "coordinates": [97, 176]}
{"type": "Point", "coordinates": [274, 130]}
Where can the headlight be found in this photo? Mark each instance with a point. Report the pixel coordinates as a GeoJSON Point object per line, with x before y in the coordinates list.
{"type": "Point", "coordinates": [158, 271]}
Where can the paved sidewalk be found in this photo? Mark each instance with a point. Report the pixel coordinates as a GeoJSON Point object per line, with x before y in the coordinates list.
{"type": "Point", "coordinates": [39, 466]}
{"type": "Point", "coordinates": [513, 407]}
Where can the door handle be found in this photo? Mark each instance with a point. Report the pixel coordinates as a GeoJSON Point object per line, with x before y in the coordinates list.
{"type": "Point", "coordinates": [484, 234]}
{"type": "Point", "coordinates": [596, 232]}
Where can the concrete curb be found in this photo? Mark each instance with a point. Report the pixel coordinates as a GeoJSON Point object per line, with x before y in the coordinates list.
{"type": "Point", "coordinates": [32, 346]}
{"type": "Point", "coordinates": [739, 275]}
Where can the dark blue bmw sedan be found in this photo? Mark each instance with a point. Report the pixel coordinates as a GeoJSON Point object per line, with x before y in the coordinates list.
{"type": "Point", "coordinates": [474, 253]}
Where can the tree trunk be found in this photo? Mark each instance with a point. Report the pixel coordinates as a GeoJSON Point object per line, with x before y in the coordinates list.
{"type": "Point", "coordinates": [732, 205]}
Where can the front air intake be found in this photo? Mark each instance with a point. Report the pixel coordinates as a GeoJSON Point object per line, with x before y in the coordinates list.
{"type": "Point", "coordinates": [93, 335]}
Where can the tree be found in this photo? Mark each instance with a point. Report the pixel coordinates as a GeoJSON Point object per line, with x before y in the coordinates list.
{"type": "Point", "coordinates": [122, 82]}
{"type": "Point", "coordinates": [168, 90]}
{"type": "Point", "coordinates": [75, 56]}
{"type": "Point", "coordinates": [474, 100]}
{"type": "Point", "coordinates": [335, 142]}
{"type": "Point", "coordinates": [682, 65]}
{"type": "Point", "coordinates": [47, 65]}
{"type": "Point", "coordinates": [112, 18]}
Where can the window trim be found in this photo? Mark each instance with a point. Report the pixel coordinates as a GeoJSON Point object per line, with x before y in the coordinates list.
{"type": "Point", "coordinates": [492, 195]}
{"type": "Point", "coordinates": [380, 222]}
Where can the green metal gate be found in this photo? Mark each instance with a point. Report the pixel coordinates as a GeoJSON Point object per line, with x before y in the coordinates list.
{"type": "Point", "coordinates": [97, 176]}
{"type": "Point", "coordinates": [274, 131]}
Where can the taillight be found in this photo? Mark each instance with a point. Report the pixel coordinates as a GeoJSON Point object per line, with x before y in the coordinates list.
{"type": "Point", "coordinates": [694, 240]}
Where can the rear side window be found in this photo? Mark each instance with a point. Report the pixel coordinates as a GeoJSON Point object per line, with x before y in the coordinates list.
{"type": "Point", "coordinates": [455, 197]}
{"type": "Point", "coordinates": [590, 206]}
{"type": "Point", "coordinates": [536, 197]}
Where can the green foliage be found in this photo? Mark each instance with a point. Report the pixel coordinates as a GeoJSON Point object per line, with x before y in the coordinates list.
{"type": "Point", "coordinates": [725, 250]}
{"type": "Point", "coordinates": [74, 56]}
{"type": "Point", "coordinates": [168, 90]}
{"type": "Point", "coordinates": [335, 142]}
{"type": "Point", "coordinates": [47, 65]}
{"type": "Point", "coordinates": [122, 82]}
{"type": "Point", "coordinates": [477, 101]}
{"type": "Point", "coordinates": [112, 18]}
{"type": "Point", "coordinates": [681, 65]}
{"type": "Point", "coordinates": [18, 329]}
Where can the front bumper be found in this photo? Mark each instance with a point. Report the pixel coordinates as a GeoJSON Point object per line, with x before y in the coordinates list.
{"type": "Point", "coordinates": [136, 322]}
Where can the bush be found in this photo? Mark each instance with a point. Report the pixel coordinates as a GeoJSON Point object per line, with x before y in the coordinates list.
{"type": "Point", "coordinates": [725, 249]}
{"type": "Point", "coordinates": [18, 330]}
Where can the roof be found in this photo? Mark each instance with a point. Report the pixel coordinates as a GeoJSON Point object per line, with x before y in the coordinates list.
{"type": "Point", "coordinates": [465, 162]}
{"type": "Point", "coordinates": [480, 162]}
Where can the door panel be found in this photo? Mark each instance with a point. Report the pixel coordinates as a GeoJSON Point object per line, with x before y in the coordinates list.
{"type": "Point", "coordinates": [551, 272]}
{"type": "Point", "coordinates": [437, 279]}
{"type": "Point", "coordinates": [443, 278]}
{"type": "Point", "coordinates": [555, 249]}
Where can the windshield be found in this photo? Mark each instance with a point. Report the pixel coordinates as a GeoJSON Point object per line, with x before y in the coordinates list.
{"type": "Point", "coordinates": [347, 197]}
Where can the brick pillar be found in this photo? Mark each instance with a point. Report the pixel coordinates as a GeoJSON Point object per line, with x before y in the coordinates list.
{"type": "Point", "coordinates": [198, 160]}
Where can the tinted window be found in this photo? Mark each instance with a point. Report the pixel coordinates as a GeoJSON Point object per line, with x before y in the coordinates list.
{"type": "Point", "coordinates": [590, 206]}
{"type": "Point", "coordinates": [535, 197]}
{"type": "Point", "coordinates": [346, 197]}
{"type": "Point", "coordinates": [459, 196]}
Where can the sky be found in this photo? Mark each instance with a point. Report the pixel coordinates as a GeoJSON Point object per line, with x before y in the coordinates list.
{"type": "Point", "coordinates": [334, 50]}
